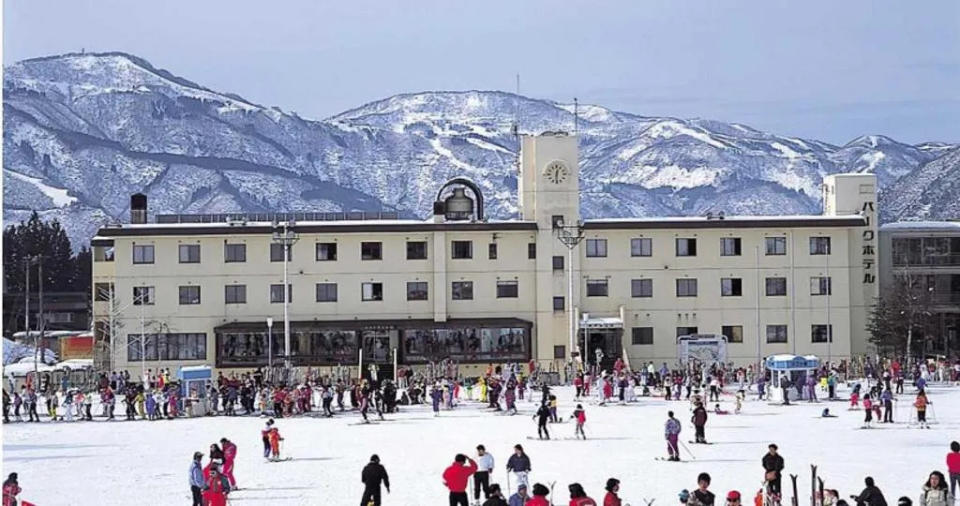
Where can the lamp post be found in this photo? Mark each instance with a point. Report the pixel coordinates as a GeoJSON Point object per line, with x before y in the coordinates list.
{"type": "Point", "coordinates": [570, 236]}
{"type": "Point", "coordinates": [269, 344]}
{"type": "Point", "coordinates": [284, 234]}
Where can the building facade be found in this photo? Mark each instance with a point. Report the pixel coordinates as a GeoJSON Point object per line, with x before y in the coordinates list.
{"type": "Point", "coordinates": [929, 252]}
{"type": "Point", "coordinates": [543, 286]}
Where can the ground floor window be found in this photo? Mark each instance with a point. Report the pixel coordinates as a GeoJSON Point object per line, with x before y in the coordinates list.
{"type": "Point", "coordinates": [179, 346]}
{"type": "Point", "coordinates": [469, 343]}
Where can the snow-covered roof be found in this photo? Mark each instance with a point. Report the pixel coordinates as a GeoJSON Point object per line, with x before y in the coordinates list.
{"type": "Point", "coordinates": [907, 226]}
{"type": "Point", "coordinates": [601, 323]}
{"type": "Point", "coordinates": [687, 219]}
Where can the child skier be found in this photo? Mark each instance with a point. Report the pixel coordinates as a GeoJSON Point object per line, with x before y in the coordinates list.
{"type": "Point", "coordinates": [274, 436]}
{"type": "Point", "coordinates": [855, 398]}
{"type": "Point", "coordinates": [868, 407]}
{"type": "Point", "coordinates": [581, 416]}
{"type": "Point", "coordinates": [671, 431]}
{"type": "Point", "coordinates": [265, 435]}
{"type": "Point", "coordinates": [921, 405]}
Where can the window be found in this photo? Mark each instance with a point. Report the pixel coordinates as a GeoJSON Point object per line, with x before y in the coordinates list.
{"type": "Point", "coordinates": [730, 247]}
{"type": "Point", "coordinates": [326, 251]}
{"type": "Point", "coordinates": [143, 296]}
{"type": "Point", "coordinates": [371, 291]}
{"type": "Point", "coordinates": [235, 294]}
{"type": "Point", "coordinates": [641, 336]}
{"type": "Point", "coordinates": [559, 352]}
{"type": "Point", "coordinates": [733, 333]}
{"type": "Point", "coordinates": [597, 288]}
{"type": "Point", "coordinates": [776, 333]}
{"type": "Point", "coordinates": [559, 304]}
{"type": "Point", "coordinates": [821, 333]}
{"type": "Point", "coordinates": [531, 250]}
{"type": "Point", "coordinates": [776, 245]}
{"type": "Point", "coordinates": [776, 287]}
{"type": "Point", "coordinates": [102, 292]}
{"type": "Point", "coordinates": [558, 263]}
{"type": "Point", "coordinates": [820, 285]}
{"type": "Point", "coordinates": [143, 253]}
{"type": "Point", "coordinates": [462, 290]}
{"type": "Point", "coordinates": [189, 253]}
{"type": "Point", "coordinates": [819, 245]}
{"type": "Point", "coordinates": [686, 287]}
{"type": "Point", "coordinates": [276, 252]}
{"type": "Point", "coordinates": [276, 293]}
{"type": "Point", "coordinates": [492, 251]}
{"type": "Point", "coordinates": [686, 247]}
{"type": "Point", "coordinates": [189, 295]}
{"type": "Point", "coordinates": [507, 289]}
{"type": "Point", "coordinates": [596, 247]}
{"type": "Point", "coordinates": [417, 290]}
{"type": "Point", "coordinates": [416, 250]}
{"type": "Point", "coordinates": [461, 249]}
{"type": "Point", "coordinates": [166, 347]}
{"type": "Point", "coordinates": [687, 331]}
{"type": "Point", "coordinates": [731, 287]}
{"type": "Point", "coordinates": [103, 253]}
{"type": "Point", "coordinates": [641, 288]}
{"type": "Point", "coordinates": [326, 292]}
{"type": "Point", "coordinates": [234, 253]}
{"type": "Point", "coordinates": [641, 247]}
{"type": "Point", "coordinates": [371, 251]}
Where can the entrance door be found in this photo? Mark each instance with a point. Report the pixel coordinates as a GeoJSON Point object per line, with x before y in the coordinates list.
{"type": "Point", "coordinates": [607, 342]}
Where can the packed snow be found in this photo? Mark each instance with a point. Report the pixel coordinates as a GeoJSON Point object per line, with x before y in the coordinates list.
{"type": "Point", "coordinates": [133, 462]}
{"type": "Point", "coordinates": [59, 196]}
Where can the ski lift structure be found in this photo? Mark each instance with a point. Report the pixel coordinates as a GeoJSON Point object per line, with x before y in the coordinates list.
{"type": "Point", "coordinates": [790, 371]}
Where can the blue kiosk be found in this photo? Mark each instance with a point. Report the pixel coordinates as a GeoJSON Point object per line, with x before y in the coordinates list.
{"type": "Point", "coordinates": [193, 388]}
{"type": "Point", "coordinates": [792, 371]}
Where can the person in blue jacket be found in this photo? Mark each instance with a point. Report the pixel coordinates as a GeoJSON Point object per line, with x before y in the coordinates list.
{"type": "Point", "coordinates": [196, 479]}
{"type": "Point", "coordinates": [436, 395]}
{"type": "Point", "coordinates": [887, 398]}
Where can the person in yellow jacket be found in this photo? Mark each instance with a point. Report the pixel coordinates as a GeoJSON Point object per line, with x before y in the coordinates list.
{"type": "Point", "coordinates": [140, 400]}
{"type": "Point", "coordinates": [483, 389]}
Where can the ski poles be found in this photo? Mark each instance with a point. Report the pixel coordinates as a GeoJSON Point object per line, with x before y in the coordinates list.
{"type": "Point", "coordinates": [682, 444]}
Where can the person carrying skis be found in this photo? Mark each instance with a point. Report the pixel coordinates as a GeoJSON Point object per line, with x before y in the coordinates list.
{"type": "Point", "coordinates": [581, 416]}
{"type": "Point", "coordinates": [274, 436]}
{"type": "Point", "coordinates": [11, 489]}
{"type": "Point", "coordinates": [371, 476]}
{"type": "Point", "coordinates": [773, 465]}
{"type": "Point", "coordinates": [671, 431]}
{"type": "Point", "coordinates": [196, 479]}
{"type": "Point", "coordinates": [871, 495]}
{"type": "Point", "coordinates": [699, 420]}
{"type": "Point", "coordinates": [455, 479]}
{"type": "Point", "coordinates": [481, 479]}
{"type": "Point", "coordinates": [216, 489]}
{"type": "Point", "coordinates": [578, 497]}
{"type": "Point", "coordinates": [519, 465]}
{"type": "Point", "coordinates": [229, 456]}
{"type": "Point", "coordinates": [612, 499]}
{"type": "Point", "coordinates": [542, 415]}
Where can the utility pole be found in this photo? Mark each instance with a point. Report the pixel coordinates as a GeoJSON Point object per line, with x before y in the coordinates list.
{"type": "Point", "coordinates": [570, 236]}
{"type": "Point", "coordinates": [285, 235]}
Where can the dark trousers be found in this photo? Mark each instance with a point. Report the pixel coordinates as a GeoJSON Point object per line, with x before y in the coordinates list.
{"type": "Point", "coordinates": [775, 485]}
{"type": "Point", "coordinates": [32, 412]}
{"type": "Point", "coordinates": [887, 411]}
{"type": "Point", "coordinates": [954, 482]}
{"type": "Point", "coordinates": [700, 436]}
{"type": "Point", "coordinates": [197, 497]}
{"type": "Point", "coordinates": [833, 390]}
{"type": "Point", "coordinates": [481, 479]}
{"type": "Point", "coordinates": [370, 494]}
{"type": "Point", "coordinates": [542, 430]}
{"type": "Point", "coordinates": [459, 499]}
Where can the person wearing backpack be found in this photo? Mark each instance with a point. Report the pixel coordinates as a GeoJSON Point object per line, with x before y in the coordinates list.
{"type": "Point", "coordinates": [935, 492]}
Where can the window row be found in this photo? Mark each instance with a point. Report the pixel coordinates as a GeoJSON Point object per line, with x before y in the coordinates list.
{"type": "Point", "coordinates": [325, 292]}
{"type": "Point", "coordinates": [775, 334]}
{"type": "Point", "coordinates": [687, 246]}
{"type": "Point", "coordinates": [324, 251]}
{"type": "Point", "coordinates": [729, 287]}
{"type": "Point", "coordinates": [166, 347]}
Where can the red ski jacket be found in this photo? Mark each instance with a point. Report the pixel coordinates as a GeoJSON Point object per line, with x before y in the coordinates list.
{"type": "Point", "coordinates": [456, 475]}
{"type": "Point", "coordinates": [583, 501]}
{"type": "Point", "coordinates": [537, 500]}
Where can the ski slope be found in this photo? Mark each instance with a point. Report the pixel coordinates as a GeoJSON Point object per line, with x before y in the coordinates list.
{"type": "Point", "coordinates": [125, 463]}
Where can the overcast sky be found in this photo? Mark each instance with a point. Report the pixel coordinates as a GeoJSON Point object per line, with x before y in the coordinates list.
{"type": "Point", "coordinates": [824, 69]}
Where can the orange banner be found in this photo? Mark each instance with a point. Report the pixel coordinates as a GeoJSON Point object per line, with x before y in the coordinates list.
{"type": "Point", "coordinates": [76, 347]}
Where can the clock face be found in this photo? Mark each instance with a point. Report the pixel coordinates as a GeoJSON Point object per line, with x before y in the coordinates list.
{"type": "Point", "coordinates": [556, 172]}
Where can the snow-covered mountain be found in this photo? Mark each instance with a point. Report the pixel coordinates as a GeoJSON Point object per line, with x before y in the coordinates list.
{"type": "Point", "coordinates": [929, 192]}
{"type": "Point", "coordinates": [84, 131]}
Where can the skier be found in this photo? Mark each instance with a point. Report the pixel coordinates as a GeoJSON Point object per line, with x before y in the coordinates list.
{"type": "Point", "coordinates": [855, 398]}
{"type": "Point", "coordinates": [265, 435]}
{"type": "Point", "coordinates": [868, 407]}
{"type": "Point", "coordinates": [701, 496]}
{"type": "Point", "coordinates": [699, 420]}
{"type": "Point", "coordinates": [274, 436]}
{"type": "Point", "coordinates": [196, 479]}
{"type": "Point", "coordinates": [935, 491]}
{"type": "Point", "coordinates": [216, 489]}
{"type": "Point", "coordinates": [871, 495]}
{"type": "Point", "coordinates": [578, 497]}
{"type": "Point", "coordinates": [773, 465]}
{"type": "Point", "coordinates": [519, 465]}
{"type": "Point", "coordinates": [11, 489]}
{"type": "Point", "coordinates": [373, 474]}
{"type": "Point", "coordinates": [436, 395]}
{"type": "Point", "coordinates": [542, 415]}
{"type": "Point", "coordinates": [921, 404]}
{"type": "Point", "coordinates": [520, 498]}
{"type": "Point", "coordinates": [953, 466]}
{"type": "Point", "coordinates": [672, 430]}
{"type": "Point", "coordinates": [581, 416]}
{"type": "Point", "coordinates": [455, 479]}
{"type": "Point", "coordinates": [229, 456]}
{"type": "Point", "coordinates": [539, 498]}
{"type": "Point", "coordinates": [612, 499]}
{"type": "Point", "coordinates": [887, 398]}
{"type": "Point", "coordinates": [481, 479]}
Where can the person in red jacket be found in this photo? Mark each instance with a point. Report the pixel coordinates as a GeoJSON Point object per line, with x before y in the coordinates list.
{"type": "Point", "coordinates": [539, 498]}
{"type": "Point", "coordinates": [229, 454]}
{"type": "Point", "coordinates": [953, 467]}
{"type": "Point", "coordinates": [11, 489]}
{"type": "Point", "coordinates": [612, 499]}
{"type": "Point", "coordinates": [216, 489]}
{"type": "Point", "coordinates": [455, 478]}
{"type": "Point", "coordinates": [578, 497]}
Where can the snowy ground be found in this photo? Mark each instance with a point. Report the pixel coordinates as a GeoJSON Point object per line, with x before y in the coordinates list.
{"type": "Point", "coordinates": [127, 463]}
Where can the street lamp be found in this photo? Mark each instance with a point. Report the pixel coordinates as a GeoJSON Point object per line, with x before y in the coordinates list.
{"type": "Point", "coordinates": [269, 343]}
{"type": "Point", "coordinates": [284, 234]}
{"type": "Point", "coordinates": [570, 236]}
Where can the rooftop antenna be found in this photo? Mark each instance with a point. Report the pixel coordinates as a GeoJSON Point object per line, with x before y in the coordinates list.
{"type": "Point", "coordinates": [576, 116]}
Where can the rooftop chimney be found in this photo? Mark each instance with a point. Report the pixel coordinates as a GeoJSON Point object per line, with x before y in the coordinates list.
{"type": "Point", "coordinates": [138, 208]}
